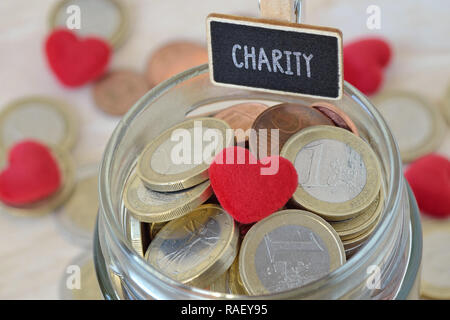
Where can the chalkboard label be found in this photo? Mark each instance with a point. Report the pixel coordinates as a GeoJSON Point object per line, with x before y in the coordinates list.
{"type": "Point", "coordinates": [275, 56]}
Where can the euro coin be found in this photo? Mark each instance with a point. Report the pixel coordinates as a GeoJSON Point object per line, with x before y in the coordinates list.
{"type": "Point", "coordinates": [417, 127]}
{"type": "Point", "coordinates": [361, 238]}
{"type": "Point", "coordinates": [288, 250]}
{"type": "Point", "coordinates": [339, 117]}
{"type": "Point", "coordinates": [240, 117]}
{"type": "Point", "coordinates": [196, 248]}
{"type": "Point", "coordinates": [78, 215]}
{"type": "Point", "coordinates": [235, 284]}
{"type": "Point", "coordinates": [105, 19]}
{"type": "Point", "coordinates": [288, 119]}
{"type": "Point", "coordinates": [56, 199]}
{"type": "Point", "coordinates": [151, 206]}
{"type": "Point", "coordinates": [43, 119]}
{"type": "Point", "coordinates": [338, 173]}
{"type": "Point", "coordinates": [119, 90]}
{"type": "Point", "coordinates": [353, 227]}
{"type": "Point", "coordinates": [173, 58]}
{"type": "Point", "coordinates": [435, 282]}
{"type": "Point", "coordinates": [155, 227]}
{"type": "Point", "coordinates": [179, 158]}
{"type": "Point", "coordinates": [137, 233]}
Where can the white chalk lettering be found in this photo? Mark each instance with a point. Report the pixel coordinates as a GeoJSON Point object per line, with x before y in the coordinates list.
{"type": "Point", "coordinates": [276, 55]}
{"type": "Point", "coordinates": [308, 66]}
{"type": "Point", "coordinates": [250, 55]}
{"type": "Point", "coordinates": [240, 64]}
{"type": "Point", "coordinates": [288, 63]}
{"type": "Point", "coordinates": [263, 59]}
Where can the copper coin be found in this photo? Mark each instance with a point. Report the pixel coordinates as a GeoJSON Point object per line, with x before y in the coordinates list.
{"type": "Point", "coordinates": [339, 117]}
{"type": "Point", "coordinates": [289, 118]}
{"type": "Point", "coordinates": [174, 58]}
{"type": "Point", "coordinates": [241, 116]}
{"type": "Point", "coordinates": [118, 91]}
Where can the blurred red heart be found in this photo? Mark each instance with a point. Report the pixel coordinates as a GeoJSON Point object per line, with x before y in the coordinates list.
{"type": "Point", "coordinates": [32, 174]}
{"type": "Point", "coordinates": [429, 178]}
{"type": "Point", "coordinates": [76, 61]}
{"type": "Point", "coordinates": [364, 63]}
{"type": "Point", "coordinates": [248, 189]}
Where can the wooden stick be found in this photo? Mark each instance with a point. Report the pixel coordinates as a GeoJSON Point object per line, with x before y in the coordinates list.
{"type": "Point", "coordinates": [281, 10]}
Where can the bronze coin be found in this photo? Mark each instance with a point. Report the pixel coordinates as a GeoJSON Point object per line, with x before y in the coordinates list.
{"type": "Point", "coordinates": [241, 116]}
{"type": "Point", "coordinates": [118, 91]}
{"type": "Point", "coordinates": [174, 58]}
{"type": "Point", "coordinates": [289, 118]}
{"type": "Point", "coordinates": [339, 117]}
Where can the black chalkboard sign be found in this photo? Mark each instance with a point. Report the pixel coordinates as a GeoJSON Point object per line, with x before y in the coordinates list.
{"type": "Point", "coordinates": [275, 56]}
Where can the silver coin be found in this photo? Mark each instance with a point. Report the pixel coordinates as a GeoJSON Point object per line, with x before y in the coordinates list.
{"type": "Point", "coordinates": [105, 19]}
{"type": "Point", "coordinates": [290, 257]}
{"type": "Point", "coordinates": [330, 170]}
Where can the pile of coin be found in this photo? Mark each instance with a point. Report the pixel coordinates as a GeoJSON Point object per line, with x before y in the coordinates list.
{"type": "Point", "coordinates": [173, 219]}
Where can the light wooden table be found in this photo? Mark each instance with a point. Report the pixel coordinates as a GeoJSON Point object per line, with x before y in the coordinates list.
{"type": "Point", "coordinates": [35, 252]}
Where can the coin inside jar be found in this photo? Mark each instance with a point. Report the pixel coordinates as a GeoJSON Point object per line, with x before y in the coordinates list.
{"type": "Point", "coordinates": [137, 232]}
{"type": "Point", "coordinates": [288, 250]}
{"type": "Point", "coordinates": [338, 173]}
{"type": "Point", "coordinates": [241, 117]}
{"type": "Point", "coordinates": [196, 248]}
{"type": "Point", "coordinates": [417, 127]}
{"type": "Point", "coordinates": [339, 117]}
{"type": "Point", "coordinates": [106, 19]}
{"type": "Point", "coordinates": [289, 119]}
{"type": "Point", "coordinates": [179, 158]}
{"type": "Point", "coordinates": [174, 58]}
{"type": "Point", "coordinates": [118, 91]}
{"type": "Point", "coordinates": [147, 205]}
{"type": "Point", "coordinates": [43, 119]}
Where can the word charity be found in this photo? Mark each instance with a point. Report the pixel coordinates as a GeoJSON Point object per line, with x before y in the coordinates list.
{"type": "Point", "coordinates": [291, 63]}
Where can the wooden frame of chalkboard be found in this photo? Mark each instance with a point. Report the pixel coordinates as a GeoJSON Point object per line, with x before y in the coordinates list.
{"type": "Point", "coordinates": [240, 48]}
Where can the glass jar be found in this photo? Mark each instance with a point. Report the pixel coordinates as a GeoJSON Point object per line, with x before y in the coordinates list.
{"type": "Point", "coordinates": [386, 267]}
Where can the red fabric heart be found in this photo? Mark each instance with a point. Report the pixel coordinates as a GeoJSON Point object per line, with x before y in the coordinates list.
{"type": "Point", "coordinates": [364, 63]}
{"type": "Point", "coordinates": [429, 178]}
{"type": "Point", "coordinates": [241, 188]}
{"type": "Point", "coordinates": [33, 174]}
{"type": "Point", "coordinates": [76, 61]}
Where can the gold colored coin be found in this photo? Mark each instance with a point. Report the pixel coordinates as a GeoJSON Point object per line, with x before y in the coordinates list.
{"type": "Point", "coordinates": [351, 228]}
{"type": "Point", "coordinates": [290, 240]}
{"type": "Point", "coordinates": [155, 227]}
{"type": "Point", "coordinates": [137, 233]}
{"type": "Point", "coordinates": [435, 283]}
{"type": "Point", "coordinates": [88, 288]}
{"type": "Point", "coordinates": [220, 284]}
{"type": "Point", "coordinates": [361, 238]}
{"type": "Point", "coordinates": [179, 158]}
{"type": "Point", "coordinates": [339, 174]}
{"type": "Point", "coordinates": [107, 19]}
{"type": "Point", "coordinates": [417, 126]}
{"type": "Point", "coordinates": [43, 119]}
{"type": "Point", "coordinates": [55, 200]}
{"type": "Point", "coordinates": [196, 248]}
{"type": "Point", "coordinates": [79, 214]}
{"type": "Point", "coordinates": [151, 206]}
{"type": "Point", "coordinates": [234, 279]}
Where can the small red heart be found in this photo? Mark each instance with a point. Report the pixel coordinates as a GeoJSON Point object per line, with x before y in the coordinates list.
{"type": "Point", "coordinates": [364, 63]}
{"type": "Point", "coordinates": [429, 178]}
{"type": "Point", "coordinates": [76, 61]}
{"type": "Point", "coordinates": [32, 174]}
{"type": "Point", "coordinates": [244, 191]}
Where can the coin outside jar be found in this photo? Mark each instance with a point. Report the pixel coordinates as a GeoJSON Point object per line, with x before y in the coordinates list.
{"type": "Point", "coordinates": [288, 250]}
{"type": "Point", "coordinates": [197, 248]}
{"type": "Point", "coordinates": [147, 205]}
{"type": "Point", "coordinates": [43, 119]}
{"type": "Point", "coordinates": [160, 166]}
{"type": "Point", "coordinates": [339, 174]}
{"type": "Point", "coordinates": [289, 119]}
{"type": "Point", "coordinates": [173, 58]}
{"type": "Point", "coordinates": [118, 91]}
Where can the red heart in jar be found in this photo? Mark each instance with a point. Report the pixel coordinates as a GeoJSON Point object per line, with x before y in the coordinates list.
{"type": "Point", "coordinates": [248, 189]}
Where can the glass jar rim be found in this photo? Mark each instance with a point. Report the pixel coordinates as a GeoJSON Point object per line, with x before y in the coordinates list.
{"type": "Point", "coordinates": [394, 192]}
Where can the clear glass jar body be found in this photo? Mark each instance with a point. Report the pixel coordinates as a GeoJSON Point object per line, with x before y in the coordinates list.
{"type": "Point", "coordinates": [392, 255]}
